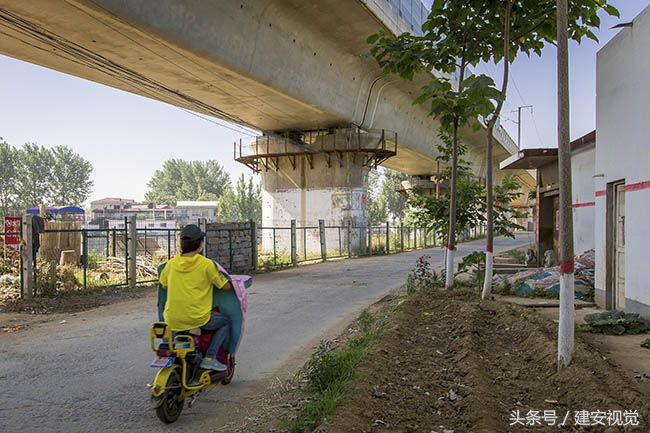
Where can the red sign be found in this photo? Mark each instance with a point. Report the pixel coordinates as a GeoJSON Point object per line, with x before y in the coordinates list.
{"type": "Point", "coordinates": [12, 230]}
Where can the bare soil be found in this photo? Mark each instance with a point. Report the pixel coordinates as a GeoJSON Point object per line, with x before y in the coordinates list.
{"type": "Point", "coordinates": [452, 361]}
{"type": "Point", "coordinates": [74, 301]}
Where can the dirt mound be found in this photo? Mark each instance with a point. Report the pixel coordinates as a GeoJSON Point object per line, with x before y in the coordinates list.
{"type": "Point", "coordinates": [454, 362]}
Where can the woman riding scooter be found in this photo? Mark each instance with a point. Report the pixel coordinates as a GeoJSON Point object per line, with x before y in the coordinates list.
{"type": "Point", "coordinates": [189, 280]}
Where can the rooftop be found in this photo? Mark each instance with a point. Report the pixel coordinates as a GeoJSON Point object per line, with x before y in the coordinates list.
{"type": "Point", "coordinates": [197, 203]}
{"type": "Point", "coordinates": [528, 159]}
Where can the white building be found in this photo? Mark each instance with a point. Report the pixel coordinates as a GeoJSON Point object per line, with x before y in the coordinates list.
{"type": "Point", "coordinates": [110, 213]}
{"type": "Point", "coordinates": [547, 203]}
{"type": "Point", "coordinates": [189, 212]}
{"type": "Point", "coordinates": [622, 178]}
{"type": "Point", "coordinates": [142, 223]}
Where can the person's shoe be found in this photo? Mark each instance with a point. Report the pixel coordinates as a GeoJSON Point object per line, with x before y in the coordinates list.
{"type": "Point", "coordinates": [213, 364]}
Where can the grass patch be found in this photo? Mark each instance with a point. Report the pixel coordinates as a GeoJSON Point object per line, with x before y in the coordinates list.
{"type": "Point", "coordinates": [330, 371]}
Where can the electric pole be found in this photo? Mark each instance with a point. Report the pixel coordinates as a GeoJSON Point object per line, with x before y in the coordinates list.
{"type": "Point", "coordinates": [519, 122]}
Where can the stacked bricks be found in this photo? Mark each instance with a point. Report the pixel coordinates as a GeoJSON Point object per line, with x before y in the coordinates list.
{"type": "Point", "coordinates": [232, 245]}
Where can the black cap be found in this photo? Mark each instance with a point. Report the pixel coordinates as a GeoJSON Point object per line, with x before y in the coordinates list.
{"type": "Point", "coordinates": [192, 232]}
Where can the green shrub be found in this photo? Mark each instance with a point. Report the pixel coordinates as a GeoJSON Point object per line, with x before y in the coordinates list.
{"type": "Point", "coordinates": [473, 265]}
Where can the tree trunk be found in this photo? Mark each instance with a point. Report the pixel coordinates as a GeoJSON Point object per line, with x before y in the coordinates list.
{"type": "Point", "coordinates": [566, 328]}
{"type": "Point", "coordinates": [489, 243]}
{"type": "Point", "coordinates": [451, 231]}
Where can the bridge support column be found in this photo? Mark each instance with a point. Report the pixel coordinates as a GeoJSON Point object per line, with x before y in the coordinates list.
{"type": "Point", "coordinates": [312, 176]}
{"type": "Point", "coordinates": [334, 194]}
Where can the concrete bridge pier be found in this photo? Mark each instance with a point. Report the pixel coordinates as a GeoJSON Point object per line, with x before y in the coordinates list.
{"type": "Point", "coordinates": [309, 176]}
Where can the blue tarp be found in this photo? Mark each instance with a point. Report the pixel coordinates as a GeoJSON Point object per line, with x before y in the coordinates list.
{"type": "Point", "coordinates": [57, 210]}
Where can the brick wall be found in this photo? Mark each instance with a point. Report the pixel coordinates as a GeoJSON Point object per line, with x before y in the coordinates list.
{"type": "Point", "coordinates": [232, 245]}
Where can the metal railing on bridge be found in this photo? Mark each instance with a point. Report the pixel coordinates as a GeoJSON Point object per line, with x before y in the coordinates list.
{"type": "Point", "coordinates": [412, 11]}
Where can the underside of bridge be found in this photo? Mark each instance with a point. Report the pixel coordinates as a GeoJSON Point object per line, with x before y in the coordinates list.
{"type": "Point", "coordinates": [284, 67]}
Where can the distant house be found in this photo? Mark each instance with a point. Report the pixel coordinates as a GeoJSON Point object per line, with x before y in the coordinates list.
{"type": "Point", "coordinates": [112, 203]}
{"type": "Point", "coordinates": [110, 213]}
{"type": "Point", "coordinates": [189, 212]}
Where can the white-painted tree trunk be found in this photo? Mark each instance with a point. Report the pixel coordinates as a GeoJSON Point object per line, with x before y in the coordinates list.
{"type": "Point", "coordinates": [449, 269]}
{"type": "Point", "coordinates": [565, 336]}
{"type": "Point", "coordinates": [489, 178]}
{"type": "Point", "coordinates": [487, 282]}
{"type": "Point", "coordinates": [566, 329]}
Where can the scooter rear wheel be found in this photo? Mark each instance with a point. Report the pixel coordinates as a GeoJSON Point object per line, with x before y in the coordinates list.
{"type": "Point", "coordinates": [172, 403]}
{"type": "Point", "coordinates": [230, 372]}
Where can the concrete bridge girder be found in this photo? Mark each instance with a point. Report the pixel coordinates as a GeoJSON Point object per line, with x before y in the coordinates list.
{"type": "Point", "coordinates": [275, 65]}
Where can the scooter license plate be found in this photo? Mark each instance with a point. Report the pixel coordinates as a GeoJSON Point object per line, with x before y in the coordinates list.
{"type": "Point", "coordinates": [162, 362]}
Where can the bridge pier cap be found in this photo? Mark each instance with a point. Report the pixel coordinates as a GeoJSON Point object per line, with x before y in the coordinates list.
{"type": "Point", "coordinates": [320, 174]}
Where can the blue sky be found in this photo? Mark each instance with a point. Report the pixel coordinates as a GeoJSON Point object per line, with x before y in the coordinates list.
{"type": "Point", "coordinates": [127, 137]}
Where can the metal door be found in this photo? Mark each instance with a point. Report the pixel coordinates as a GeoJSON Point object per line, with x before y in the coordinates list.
{"type": "Point", "coordinates": [619, 246]}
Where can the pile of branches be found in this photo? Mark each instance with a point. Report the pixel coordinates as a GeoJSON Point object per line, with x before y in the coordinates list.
{"type": "Point", "coordinates": [117, 265]}
{"type": "Point", "coordinates": [615, 323]}
{"type": "Point", "coordinates": [9, 259]}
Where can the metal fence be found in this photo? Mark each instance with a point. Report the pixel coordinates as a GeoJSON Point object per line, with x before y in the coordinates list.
{"type": "Point", "coordinates": [91, 258]}
{"type": "Point", "coordinates": [290, 246]}
{"type": "Point", "coordinates": [88, 258]}
{"type": "Point", "coordinates": [96, 258]}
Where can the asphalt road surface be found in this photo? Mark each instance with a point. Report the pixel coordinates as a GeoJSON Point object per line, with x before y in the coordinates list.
{"type": "Point", "coordinates": [89, 374]}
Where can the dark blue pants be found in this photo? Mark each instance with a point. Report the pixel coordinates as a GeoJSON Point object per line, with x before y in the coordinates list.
{"type": "Point", "coordinates": [219, 324]}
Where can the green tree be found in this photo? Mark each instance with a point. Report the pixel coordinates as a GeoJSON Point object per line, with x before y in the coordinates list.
{"type": "Point", "coordinates": [505, 214]}
{"type": "Point", "coordinates": [187, 180]}
{"type": "Point", "coordinates": [395, 202]}
{"type": "Point", "coordinates": [8, 179]}
{"type": "Point", "coordinates": [453, 40]}
{"type": "Point", "coordinates": [433, 212]}
{"type": "Point", "coordinates": [462, 33]}
{"type": "Point", "coordinates": [376, 211]}
{"type": "Point", "coordinates": [243, 203]}
{"type": "Point", "coordinates": [524, 26]}
{"type": "Point", "coordinates": [34, 175]}
{"type": "Point", "coordinates": [70, 182]}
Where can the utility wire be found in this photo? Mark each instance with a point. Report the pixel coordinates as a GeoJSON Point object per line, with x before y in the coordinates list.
{"type": "Point", "coordinates": [217, 123]}
{"type": "Point", "coordinates": [159, 55]}
{"type": "Point", "coordinates": [133, 79]}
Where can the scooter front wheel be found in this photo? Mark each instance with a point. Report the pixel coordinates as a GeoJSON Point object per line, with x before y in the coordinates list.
{"type": "Point", "coordinates": [171, 404]}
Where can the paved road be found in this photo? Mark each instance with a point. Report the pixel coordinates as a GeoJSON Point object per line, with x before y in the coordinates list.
{"type": "Point", "coordinates": [89, 374]}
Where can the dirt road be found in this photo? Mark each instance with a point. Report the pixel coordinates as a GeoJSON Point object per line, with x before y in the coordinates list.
{"type": "Point", "coordinates": [89, 374]}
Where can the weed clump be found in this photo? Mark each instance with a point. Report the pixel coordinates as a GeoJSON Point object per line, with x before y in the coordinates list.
{"type": "Point", "coordinates": [329, 372]}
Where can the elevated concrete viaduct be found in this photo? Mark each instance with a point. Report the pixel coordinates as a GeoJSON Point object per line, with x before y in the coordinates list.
{"type": "Point", "coordinates": [279, 66]}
